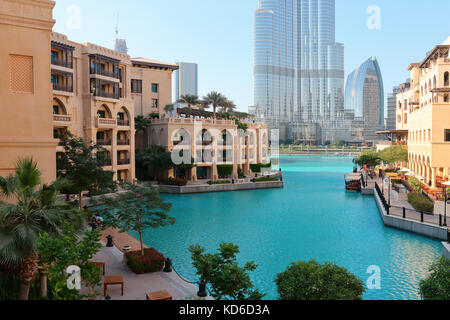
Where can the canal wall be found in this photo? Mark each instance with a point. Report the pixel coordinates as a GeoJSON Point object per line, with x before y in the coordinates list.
{"type": "Point", "coordinates": [424, 229]}
{"type": "Point", "coordinates": [190, 189]}
{"type": "Point", "coordinates": [446, 246]}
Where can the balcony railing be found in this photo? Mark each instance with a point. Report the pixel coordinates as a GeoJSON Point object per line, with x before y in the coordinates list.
{"type": "Point", "coordinates": [63, 87]}
{"type": "Point", "coordinates": [62, 63]}
{"type": "Point", "coordinates": [104, 142]}
{"type": "Point", "coordinates": [123, 123]}
{"type": "Point", "coordinates": [122, 162]}
{"type": "Point", "coordinates": [106, 73]}
{"type": "Point", "coordinates": [62, 117]}
{"type": "Point", "coordinates": [106, 123]}
{"type": "Point", "coordinates": [104, 94]}
{"type": "Point", "coordinates": [123, 142]}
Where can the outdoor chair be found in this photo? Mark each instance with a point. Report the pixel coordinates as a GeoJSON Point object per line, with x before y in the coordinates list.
{"type": "Point", "coordinates": [158, 295]}
{"type": "Point", "coordinates": [112, 280]}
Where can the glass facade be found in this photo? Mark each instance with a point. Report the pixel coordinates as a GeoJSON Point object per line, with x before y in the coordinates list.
{"type": "Point", "coordinates": [364, 94]}
{"type": "Point", "coordinates": [298, 72]}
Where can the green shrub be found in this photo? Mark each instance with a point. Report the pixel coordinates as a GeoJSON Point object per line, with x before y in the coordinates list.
{"type": "Point", "coordinates": [174, 182]}
{"type": "Point", "coordinates": [225, 170]}
{"type": "Point", "coordinates": [152, 261]}
{"type": "Point", "coordinates": [256, 168]}
{"type": "Point", "coordinates": [415, 184]}
{"type": "Point", "coordinates": [420, 202]}
{"type": "Point", "coordinates": [313, 281]}
{"type": "Point", "coordinates": [219, 182]}
{"type": "Point", "coordinates": [241, 174]}
{"type": "Point", "coordinates": [437, 285]}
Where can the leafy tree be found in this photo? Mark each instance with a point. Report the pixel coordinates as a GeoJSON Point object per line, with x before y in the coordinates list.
{"type": "Point", "coordinates": [369, 158]}
{"type": "Point", "coordinates": [36, 210]}
{"type": "Point", "coordinates": [215, 99]}
{"type": "Point", "coordinates": [136, 209]}
{"type": "Point", "coordinates": [437, 285]}
{"type": "Point", "coordinates": [415, 184]}
{"type": "Point", "coordinates": [312, 281]}
{"type": "Point", "coordinates": [153, 159]}
{"type": "Point", "coordinates": [228, 280]}
{"type": "Point", "coordinates": [82, 165]}
{"type": "Point", "coordinates": [394, 155]}
{"type": "Point", "coordinates": [67, 250]}
{"type": "Point", "coordinates": [190, 100]}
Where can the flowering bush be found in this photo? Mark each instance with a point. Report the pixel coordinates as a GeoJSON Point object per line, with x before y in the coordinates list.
{"type": "Point", "coordinates": [151, 261]}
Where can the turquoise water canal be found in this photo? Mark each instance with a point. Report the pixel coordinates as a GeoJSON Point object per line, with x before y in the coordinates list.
{"type": "Point", "coordinates": [311, 218]}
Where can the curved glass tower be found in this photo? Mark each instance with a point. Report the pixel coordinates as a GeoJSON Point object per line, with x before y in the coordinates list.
{"type": "Point", "coordinates": [364, 94]}
{"type": "Point", "coordinates": [298, 72]}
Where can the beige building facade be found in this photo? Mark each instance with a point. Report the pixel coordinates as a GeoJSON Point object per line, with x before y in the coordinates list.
{"type": "Point", "coordinates": [424, 111]}
{"type": "Point", "coordinates": [25, 96]}
{"type": "Point", "coordinates": [92, 99]}
{"type": "Point", "coordinates": [210, 143]}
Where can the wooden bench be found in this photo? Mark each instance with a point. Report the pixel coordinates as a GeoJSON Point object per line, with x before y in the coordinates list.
{"type": "Point", "coordinates": [158, 295]}
{"type": "Point", "coordinates": [112, 280]}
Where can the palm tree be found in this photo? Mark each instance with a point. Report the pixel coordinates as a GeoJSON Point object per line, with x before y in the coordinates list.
{"type": "Point", "coordinates": [36, 210]}
{"type": "Point", "coordinates": [141, 124]}
{"type": "Point", "coordinates": [228, 106]}
{"type": "Point", "coordinates": [215, 99]}
{"type": "Point", "coordinates": [190, 100]}
{"type": "Point", "coordinates": [169, 108]}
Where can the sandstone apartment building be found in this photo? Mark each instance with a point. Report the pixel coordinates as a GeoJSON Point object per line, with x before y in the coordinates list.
{"type": "Point", "coordinates": [54, 85]}
{"type": "Point", "coordinates": [423, 110]}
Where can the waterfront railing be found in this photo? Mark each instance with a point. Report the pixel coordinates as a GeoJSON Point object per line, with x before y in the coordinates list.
{"type": "Point", "coordinates": [411, 214]}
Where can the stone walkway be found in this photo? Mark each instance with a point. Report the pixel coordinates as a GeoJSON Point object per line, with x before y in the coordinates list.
{"type": "Point", "coordinates": [136, 286]}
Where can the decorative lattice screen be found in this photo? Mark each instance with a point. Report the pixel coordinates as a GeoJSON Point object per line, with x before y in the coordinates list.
{"type": "Point", "coordinates": [21, 74]}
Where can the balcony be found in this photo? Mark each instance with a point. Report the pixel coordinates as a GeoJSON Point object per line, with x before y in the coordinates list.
{"type": "Point", "coordinates": [123, 142]}
{"type": "Point", "coordinates": [123, 123]}
{"type": "Point", "coordinates": [105, 123]}
{"type": "Point", "coordinates": [104, 142]}
{"type": "Point", "coordinates": [122, 162]}
{"type": "Point", "coordinates": [105, 73]}
{"type": "Point", "coordinates": [64, 119]}
{"type": "Point", "coordinates": [63, 87]}
{"type": "Point", "coordinates": [107, 163]}
{"type": "Point", "coordinates": [62, 63]}
{"type": "Point", "coordinates": [109, 95]}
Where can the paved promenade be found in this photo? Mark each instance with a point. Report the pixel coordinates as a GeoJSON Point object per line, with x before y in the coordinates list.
{"type": "Point", "coordinates": [136, 286]}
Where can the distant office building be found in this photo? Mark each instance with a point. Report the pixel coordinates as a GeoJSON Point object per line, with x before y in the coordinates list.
{"type": "Point", "coordinates": [121, 46]}
{"type": "Point", "coordinates": [186, 79]}
{"type": "Point", "coordinates": [364, 94]}
{"type": "Point", "coordinates": [298, 71]}
{"type": "Point", "coordinates": [391, 108]}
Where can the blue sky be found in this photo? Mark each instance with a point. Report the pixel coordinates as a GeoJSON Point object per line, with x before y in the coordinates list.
{"type": "Point", "coordinates": [218, 35]}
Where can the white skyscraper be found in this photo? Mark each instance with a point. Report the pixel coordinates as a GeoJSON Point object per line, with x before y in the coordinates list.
{"type": "Point", "coordinates": [186, 79]}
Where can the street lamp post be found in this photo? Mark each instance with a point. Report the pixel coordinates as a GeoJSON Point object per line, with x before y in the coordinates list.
{"type": "Point", "coordinates": [445, 206]}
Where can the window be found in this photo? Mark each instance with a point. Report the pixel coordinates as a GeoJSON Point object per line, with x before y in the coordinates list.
{"type": "Point", "coordinates": [446, 98]}
{"type": "Point", "coordinates": [154, 103]}
{"type": "Point", "coordinates": [154, 87]}
{"type": "Point", "coordinates": [55, 110]}
{"type": "Point", "coordinates": [447, 135]}
{"type": "Point", "coordinates": [101, 114]}
{"type": "Point", "coordinates": [54, 79]}
{"type": "Point", "coordinates": [136, 86]}
{"type": "Point", "coordinates": [406, 118]}
{"type": "Point", "coordinates": [101, 135]}
{"type": "Point", "coordinates": [446, 79]}
{"type": "Point", "coordinates": [121, 116]}
{"type": "Point", "coordinates": [54, 55]}
{"type": "Point", "coordinates": [55, 134]}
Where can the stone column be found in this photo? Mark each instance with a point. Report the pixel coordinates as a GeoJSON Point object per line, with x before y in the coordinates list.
{"type": "Point", "coordinates": [433, 177]}
{"type": "Point", "coordinates": [194, 174]}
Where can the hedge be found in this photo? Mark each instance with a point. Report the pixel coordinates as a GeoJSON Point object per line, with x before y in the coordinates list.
{"type": "Point", "coordinates": [420, 202]}
{"type": "Point", "coordinates": [225, 170]}
{"type": "Point", "coordinates": [152, 261]}
{"type": "Point", "coordinates": [256, 168]}
{"type": "Point", "coordinates": [174, 182]}
{"type": "Point", "coordinates": [219, 182]}
{"type": "Point", "coordinates": [264, 179]}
